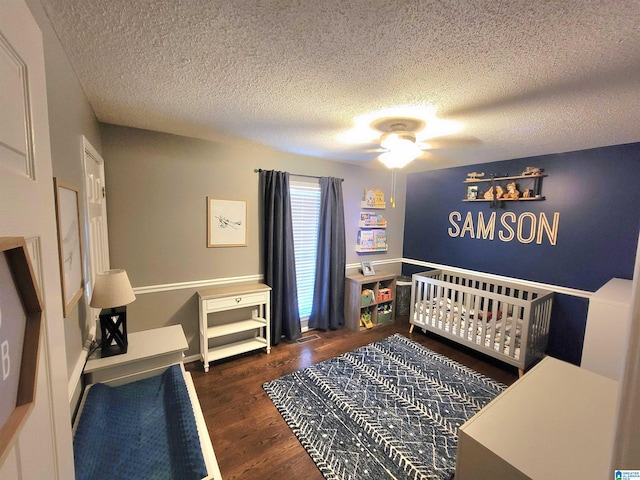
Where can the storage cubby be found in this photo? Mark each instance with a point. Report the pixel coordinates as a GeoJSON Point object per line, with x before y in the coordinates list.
{"type": "Point", "coordinates": [373, 296]}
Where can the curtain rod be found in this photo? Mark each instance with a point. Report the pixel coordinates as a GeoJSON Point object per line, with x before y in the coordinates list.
{"type": "Point", "coordinates": [258, 170]}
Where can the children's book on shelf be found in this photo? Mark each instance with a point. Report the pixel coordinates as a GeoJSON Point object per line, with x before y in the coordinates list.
{"type": "Point", "coordinates": [365, 238]}
{"type": "Point", "coordinates": [371, 219]}
{"type": "Point", "coordinates": [379, 238]}
{"type": "Point", "coordinates": [373, 198]}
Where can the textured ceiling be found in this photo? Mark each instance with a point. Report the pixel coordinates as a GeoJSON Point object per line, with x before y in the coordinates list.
{"type": "Point", "coordinates": [520, 77]}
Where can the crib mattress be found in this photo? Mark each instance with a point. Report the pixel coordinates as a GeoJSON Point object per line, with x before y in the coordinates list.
{"type": "Point", "coordinates": [450, 317]}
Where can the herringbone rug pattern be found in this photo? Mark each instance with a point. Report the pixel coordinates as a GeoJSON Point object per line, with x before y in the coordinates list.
{"type": "Point", "coordinates": [388, 410]}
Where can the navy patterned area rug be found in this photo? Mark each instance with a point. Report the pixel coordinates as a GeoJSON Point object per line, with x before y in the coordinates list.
{"type": "Point", "coordinates": [388, 410]}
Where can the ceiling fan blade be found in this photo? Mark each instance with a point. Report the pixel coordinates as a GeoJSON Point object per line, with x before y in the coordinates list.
{"type": "Point", "coordinates": [451, 142]}
{"type": "Point", "coordinates": [370, 147]}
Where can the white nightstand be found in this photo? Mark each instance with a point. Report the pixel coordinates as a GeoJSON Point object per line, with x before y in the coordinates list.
{"type": "Point", "coordinates": [148, 352]}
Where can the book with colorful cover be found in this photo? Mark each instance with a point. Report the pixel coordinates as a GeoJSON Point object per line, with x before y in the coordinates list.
{"type": "Point", "coordinates": [365, 238]}
{"type": "Point", "coordinates": [379, 238]}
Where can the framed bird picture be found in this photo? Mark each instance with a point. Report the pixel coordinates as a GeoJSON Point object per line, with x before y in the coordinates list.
{"type": "Point", "coordinates": [226, 223]}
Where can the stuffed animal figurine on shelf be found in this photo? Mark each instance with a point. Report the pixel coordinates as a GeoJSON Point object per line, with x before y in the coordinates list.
{"type": "Point", "coordinates": [512, 192]}
{"type": "Point", "coordinates": [533, 171]}
{"type": "Point", "coordinates": [488, 195]}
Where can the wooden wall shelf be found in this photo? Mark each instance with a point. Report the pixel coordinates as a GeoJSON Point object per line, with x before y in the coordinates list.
{"type": "Point", "coordinates": [498, 179]}
{"type": "Point", "coordinates": [477, 187]}
{"type": "Point", "coordinates": [534, 199]}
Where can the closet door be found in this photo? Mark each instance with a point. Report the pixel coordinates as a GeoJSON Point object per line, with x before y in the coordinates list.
{"type": "Point", "coordinates": [42, 447]}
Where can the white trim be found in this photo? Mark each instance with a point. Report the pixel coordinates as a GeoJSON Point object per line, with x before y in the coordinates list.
{"type": "Point", "coordinates": [212, 282]}
{"type": "Point", "coordinates": [259, 278]}
{"type": "Point", "coordinates": [75, 383]}
{"type": "Point", "coordinates": [556, 288]}
{"type": "Point", "coordinates": [192, 358]}
{"type": "Point", "coordinates": [388, 261]}
{"type": "Point", "coordinates": [197, 284]}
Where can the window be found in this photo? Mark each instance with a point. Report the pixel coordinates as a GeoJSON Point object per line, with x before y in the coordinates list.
{"type": "Point", "coordinates": [305, 210]}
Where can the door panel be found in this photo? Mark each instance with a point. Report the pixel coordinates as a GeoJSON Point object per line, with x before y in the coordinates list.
{"type": "Point", "coordinates": [43, 446]}
{"type": "Point", "coordinates": [16, 153]}
{"type": "Point", "coordinates": [96, 208]}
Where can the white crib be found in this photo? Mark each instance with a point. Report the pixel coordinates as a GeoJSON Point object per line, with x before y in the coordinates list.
{"type": "Point", "coordinates": [505, 320]}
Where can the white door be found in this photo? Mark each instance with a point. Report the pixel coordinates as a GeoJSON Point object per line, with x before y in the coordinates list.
{"type": "Point", "coordinates": [96, 208]}
{"type": "Point", "coordinates": [43, 446]}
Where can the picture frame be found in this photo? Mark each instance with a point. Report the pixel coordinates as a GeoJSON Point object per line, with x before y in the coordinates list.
{"type": "Point", "coordinates": [226, 223]}
{"type": "Point", "coordinates": [367, 269]}
{"type": "Point", "coordinates": [69, 244]}
{"type": "Point", "coordinates": [20, 325]}
{"type": "Point", "coordinates": [472, 192]}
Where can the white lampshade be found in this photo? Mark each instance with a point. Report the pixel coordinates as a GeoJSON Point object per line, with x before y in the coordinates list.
{"type": "Point", "coordinates": [112, 289]}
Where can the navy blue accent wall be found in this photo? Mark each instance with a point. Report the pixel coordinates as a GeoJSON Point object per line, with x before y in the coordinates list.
{"type": "Point", "coordinates": [597, 195]}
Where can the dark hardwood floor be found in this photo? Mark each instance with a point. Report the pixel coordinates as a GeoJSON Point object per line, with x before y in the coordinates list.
{"type": "Point", "coordinates": [250, 438]}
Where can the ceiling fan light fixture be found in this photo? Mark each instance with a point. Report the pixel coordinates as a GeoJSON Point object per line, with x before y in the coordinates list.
{"type": "Point", "coordinates": [401, 146]}
{"type": "Point", "coordinates": [397, 158]}
{"type": "Point", "coordinates": [397, 140]}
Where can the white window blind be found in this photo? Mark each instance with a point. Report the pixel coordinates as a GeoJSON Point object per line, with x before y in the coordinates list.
{"type": "Point", "coordinates": [305, 210]}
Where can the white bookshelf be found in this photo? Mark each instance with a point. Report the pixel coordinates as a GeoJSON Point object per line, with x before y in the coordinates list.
{"type": "Point", "coordinates": [232, 297]}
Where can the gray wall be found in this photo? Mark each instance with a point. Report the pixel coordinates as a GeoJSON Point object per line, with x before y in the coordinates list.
{"type": "Point", "coordinates": [70, 117]}
{"type": "Point", "coordinates": [157, 186]}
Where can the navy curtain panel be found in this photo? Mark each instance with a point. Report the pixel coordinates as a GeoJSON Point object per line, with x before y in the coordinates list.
{"type": "Point", "coordinates": [279, 258]}
{"type": "Point", "coordinates": [328, 301]}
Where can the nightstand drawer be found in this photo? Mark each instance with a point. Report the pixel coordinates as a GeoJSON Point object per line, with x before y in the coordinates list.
{"type": "Point", "coordinates": [237, 301]}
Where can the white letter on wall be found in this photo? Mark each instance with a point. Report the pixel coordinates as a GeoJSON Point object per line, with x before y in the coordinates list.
{"type": "Point", "coordinates": [454, 232]}
{"type": "Point", "coordinates": [532, 230]}
{"type": "Point", "coordinates": [552, 233]}
{"type": "Point", "coordinates": [486, 230]}
{"type": "Point", "coordinates": [503, 221]}
{"type": "Point", "coordinates": [468, 226]}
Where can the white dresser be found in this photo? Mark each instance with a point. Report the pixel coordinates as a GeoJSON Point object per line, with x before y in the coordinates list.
{"type": "Point", "coordinates": [556, 422]}
{"type": "Point", "coordinates": [606, 337]}
{"type": "Point", "coordinates": [231, 297]}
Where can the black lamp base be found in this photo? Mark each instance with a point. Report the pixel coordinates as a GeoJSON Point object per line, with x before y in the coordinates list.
{"type": "Point", "coordinates": [113, 328]}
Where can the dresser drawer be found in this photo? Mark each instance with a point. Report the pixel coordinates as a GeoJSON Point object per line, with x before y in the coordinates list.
{"type": "Point", "coordinates": [236, 301]}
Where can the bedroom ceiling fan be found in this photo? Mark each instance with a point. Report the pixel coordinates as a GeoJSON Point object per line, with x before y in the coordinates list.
{"type": "Point", "coordinates": [398, 144]}
{"type": "Point", "coordinates": [398, 140]}
{"type": "Point", "coordinates": [403, 134]}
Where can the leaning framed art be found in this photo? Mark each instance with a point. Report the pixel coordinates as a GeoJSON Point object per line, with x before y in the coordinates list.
{"type": "Point", "coordinates": [69, 244]}
{"type": "Point", "coordinates": [226, 223]}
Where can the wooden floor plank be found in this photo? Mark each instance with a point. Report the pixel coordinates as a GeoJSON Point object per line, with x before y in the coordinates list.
{"type": "Point", "coordinates": [250, 438]}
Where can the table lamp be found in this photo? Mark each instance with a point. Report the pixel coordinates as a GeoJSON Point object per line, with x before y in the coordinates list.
{"type": "Point", "coordinates": [112, 292]}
